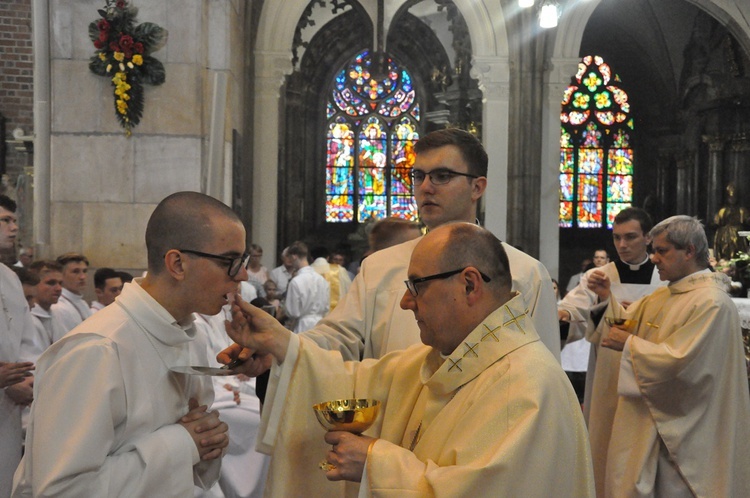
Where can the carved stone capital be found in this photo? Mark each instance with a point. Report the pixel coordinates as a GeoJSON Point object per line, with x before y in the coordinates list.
{"type": "Point", "coordinates": [270, 70]}
{"type": "Point", "coordinates": [493, 75]}
{"type": "Point", "coordinates": [715, 142]}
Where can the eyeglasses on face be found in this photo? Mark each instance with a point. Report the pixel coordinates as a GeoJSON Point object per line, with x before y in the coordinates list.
{"type": "Point", "coordinates": [234, 263]}
{"type": "Point", "coordinates": [439, 176]}
{"type": "Point", "coordinates": [411, 284]}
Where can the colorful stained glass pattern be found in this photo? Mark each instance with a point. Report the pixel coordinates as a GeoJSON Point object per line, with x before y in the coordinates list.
{"type": "Point", "coordinates": [589, 214]}
{"type": "Point", "coordinates": [612, 210]}
{"type": "Point", "coordinates": [596, 164]}
{"type": "Point", "coordinates": [373, 125]}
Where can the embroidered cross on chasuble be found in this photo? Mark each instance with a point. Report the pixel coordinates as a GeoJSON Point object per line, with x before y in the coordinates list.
{"type": "Point", "coordinates": [504, 330]}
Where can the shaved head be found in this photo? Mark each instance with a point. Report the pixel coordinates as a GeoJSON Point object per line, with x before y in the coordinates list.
{"type": "Point", "coordinates": [184, 220]}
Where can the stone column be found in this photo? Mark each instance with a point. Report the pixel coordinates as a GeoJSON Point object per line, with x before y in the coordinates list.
{"type": "Point", "coordinates": [557, 79]}
{"type": "Point", "coordinates": [739, 151]}
{"type": "Point", "coordinates": [270, 69]}
{"type": "Point", "coordinates": [493, 74]}
{"type": "Point", "coordinates": [715, 185]}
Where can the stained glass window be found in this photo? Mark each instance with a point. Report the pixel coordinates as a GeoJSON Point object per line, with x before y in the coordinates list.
{"type": "Point", "coordinates": [596, 157]}
{"type": "Point", "coordinates": [373, 124]}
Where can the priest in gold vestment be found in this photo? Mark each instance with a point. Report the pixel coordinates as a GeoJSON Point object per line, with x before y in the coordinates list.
{"type": "Point", "coordinates": [482, 408]}
{"type": "Point", "coordinates": [682, 423]}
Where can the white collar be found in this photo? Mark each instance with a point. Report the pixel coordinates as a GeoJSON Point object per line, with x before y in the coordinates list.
{"type": "Point", "coordinates": [637, 267]}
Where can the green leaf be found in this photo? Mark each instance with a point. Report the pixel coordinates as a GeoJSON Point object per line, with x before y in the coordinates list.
{"type": "Point", "coordinates": [93, 32]}
{"type": "Point", "coordinates": [151, 35]}
{"type": "Point", "coordinates": [98, 66]}
{"type": "Point", "coordinates": [152, 71]}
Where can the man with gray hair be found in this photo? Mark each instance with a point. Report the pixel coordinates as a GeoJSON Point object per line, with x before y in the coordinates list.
{"type": "Point", "coordinates": [683, 411]}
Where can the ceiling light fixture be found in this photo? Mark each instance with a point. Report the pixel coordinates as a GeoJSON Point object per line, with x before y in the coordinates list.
{"type": "Point", "coordinates": [549, 14]}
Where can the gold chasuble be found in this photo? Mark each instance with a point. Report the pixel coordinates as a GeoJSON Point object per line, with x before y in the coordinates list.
{"type": "Point", "coordinates": [498, 418]}
{"type": "Point", "coordinates": [688, 418]}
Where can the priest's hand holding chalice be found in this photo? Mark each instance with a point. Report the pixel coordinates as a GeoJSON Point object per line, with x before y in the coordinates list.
{"type": "Point", "coordinates": [345, 420]}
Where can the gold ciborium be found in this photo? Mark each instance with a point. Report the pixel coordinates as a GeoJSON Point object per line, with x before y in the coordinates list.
{"type": "Point", "coordinates": [351, 415]}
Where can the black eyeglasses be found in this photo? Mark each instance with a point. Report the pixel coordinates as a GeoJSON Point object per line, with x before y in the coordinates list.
{"type": "Point", "coordinates": [235, 263]}
{"type": "Point", "coordinates": [411, 284]}
{"type": "Point", "coordinates": [439, 176]}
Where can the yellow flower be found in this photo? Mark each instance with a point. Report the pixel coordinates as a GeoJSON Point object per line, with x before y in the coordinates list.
{"type": "Point", "coordinates": [137, 59]}
{"type": "Point", "coordinates": [122, 106]}
{"type": "Point", "coordinates": [119, 56]}
{"type": "Point", "coordinates": [102, 56]}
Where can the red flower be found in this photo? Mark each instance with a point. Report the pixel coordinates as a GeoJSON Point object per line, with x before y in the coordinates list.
{"type": "Point", "coordinates": [114, 47]}
{"type": "Point", "coordinates": [103, 35]}
{"type": "Point", "coordinates": [138, 47]}
{"type": "Point", "coordinates": [98, 44]}
{"type": "Point", "coordinates": [103, 25]}
{"type": "Point", "coordinates": [126, 42]}
{"type": "Point", "coordinates": [120, 4]}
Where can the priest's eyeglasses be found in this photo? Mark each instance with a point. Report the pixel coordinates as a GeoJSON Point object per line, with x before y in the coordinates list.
{"type": "Point", "coordinates": [439, 176]}
{"type": "Point", "coordinates": [411, 283]}
{"type": "Point", "coordinates": [234, 263]}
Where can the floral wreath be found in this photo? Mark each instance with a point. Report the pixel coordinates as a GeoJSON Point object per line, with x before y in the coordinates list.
{"type": "Point", "coordinates": [123, 54]}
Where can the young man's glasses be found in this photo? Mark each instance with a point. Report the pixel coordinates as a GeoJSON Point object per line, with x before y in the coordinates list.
{"type": "Point", "coordinates": [439, 176]}
{"type": "Point", "coordinates": [411, 284]}
{"type": "Point", "coordinates": [235, 263]}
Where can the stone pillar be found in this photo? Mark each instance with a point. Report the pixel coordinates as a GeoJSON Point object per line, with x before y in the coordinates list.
{"type": "Point", "coordinates": [493, 74]}
{"type": "Point", "coordinates": [715, 185]}
{"type": "Point", "coordinates": [557, 79]}
{"type": "Point", "coordinates": [739, 151]}
{"type": "Point", "coordinates": [270, 69]}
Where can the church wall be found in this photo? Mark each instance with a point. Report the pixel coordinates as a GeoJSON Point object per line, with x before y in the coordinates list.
{"type": "Point", "coordinates": [105, 185]}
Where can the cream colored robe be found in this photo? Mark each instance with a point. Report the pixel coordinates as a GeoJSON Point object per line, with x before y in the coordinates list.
{"type": "Point", "coordinates": [498, 418]}
{"type": "Point", "coordinates": [689, 366]}
{"type": "Point", "coordinates": [368, 322]}
{"type": "Point", "coordinates": [104, 417]}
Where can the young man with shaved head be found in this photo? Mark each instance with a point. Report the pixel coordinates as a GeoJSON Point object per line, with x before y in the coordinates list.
{"type": "Point", "coordinates": [109, 416]}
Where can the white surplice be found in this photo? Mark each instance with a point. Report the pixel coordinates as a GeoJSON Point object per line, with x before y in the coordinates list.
{"type": "Point", "coordinates": [307, 298]}
{"type": "Point", "coordinates": [15, 322]}
{"type": "Point", "coordinates": [71, 309]}
{"type": "Point", "coordinates": [243, 470]}
{"type": "Point", "coordinates": [106, 406]}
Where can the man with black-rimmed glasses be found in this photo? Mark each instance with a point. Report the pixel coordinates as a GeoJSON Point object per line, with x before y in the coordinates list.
{"type": "Point", "coordinates": [110, 417]}
{"type": "Point", "coordinates": [449, 178]}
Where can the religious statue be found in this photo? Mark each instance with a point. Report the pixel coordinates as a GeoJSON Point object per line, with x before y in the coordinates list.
{"type": "Point", "coordinates": [730, 220]}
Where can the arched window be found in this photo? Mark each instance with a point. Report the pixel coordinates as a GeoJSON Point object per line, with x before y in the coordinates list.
{"type": "Point", "coordinates": [373, 123]}
{"type": "Point", "coordinates": [596, 156]}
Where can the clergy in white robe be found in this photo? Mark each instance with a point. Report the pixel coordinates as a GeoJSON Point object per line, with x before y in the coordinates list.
{"type": "Point", "coordinates": [46, 330]}
{"type": "Point", "coordinates": [307, 298]}
{"type": "Point", "coordinates": [110, 417]}
{"type": "Point", "coordinates": [15, 323]}
{"type": "Point", "coordinates": [71, 309]}
{"type": "Point", "coordinates": [481, 409]}
{"type": "Point", "coordinates": [243, 470]}
{"type": "Point", "coordinates": [682, 418]}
